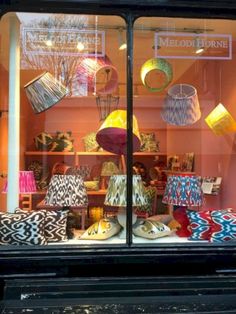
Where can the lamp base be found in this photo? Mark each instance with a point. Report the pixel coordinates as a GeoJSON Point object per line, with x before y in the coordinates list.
{"type": "Point", "coordinates": [121, 217]}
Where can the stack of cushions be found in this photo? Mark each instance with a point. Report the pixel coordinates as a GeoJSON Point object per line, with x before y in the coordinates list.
{"type": "Point", "coordinates": [33, 228]}
{"type": "Point", "coordinates": [212, 225]}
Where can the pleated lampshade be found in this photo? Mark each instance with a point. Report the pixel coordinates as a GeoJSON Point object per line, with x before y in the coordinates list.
{"type": "Point", "coordinates": [112, 135]}
{"type": "Point", "coordinates": [44, 91]}
{"type": "Point", "coordinates": [181, 105]}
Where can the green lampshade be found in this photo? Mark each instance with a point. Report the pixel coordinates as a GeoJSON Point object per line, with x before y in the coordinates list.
{"type": "Point", "coordinates": [117, 195]}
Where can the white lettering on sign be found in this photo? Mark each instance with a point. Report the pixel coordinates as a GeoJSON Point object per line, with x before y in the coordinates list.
{"type": "Point", "coordinates": [64, 42]}
{"type": "Point", "coordinates": [184, 45]}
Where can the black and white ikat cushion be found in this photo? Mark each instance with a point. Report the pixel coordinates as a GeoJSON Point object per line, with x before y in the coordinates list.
{"type": "Point", "coordinates": [55, 225]}
{"type": "Point", "coordinates": [25, 228]}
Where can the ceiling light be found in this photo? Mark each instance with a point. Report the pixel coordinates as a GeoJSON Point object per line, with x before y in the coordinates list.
{"type": "Point", "coordinates": [80, 46]}
{"type": "Point", "coordinates": [122, 43]}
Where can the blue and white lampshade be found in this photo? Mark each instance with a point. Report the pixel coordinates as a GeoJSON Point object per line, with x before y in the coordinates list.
{"type": "Point", "coordinates": [181, 105]}
{"type": "Point", "coordinates": [44, 91]}
{"type": "Point", "coordinates": [183, 190]}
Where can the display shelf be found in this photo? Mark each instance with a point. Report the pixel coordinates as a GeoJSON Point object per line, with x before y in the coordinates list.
{"type": "Point", "coordinates": [44, 153]}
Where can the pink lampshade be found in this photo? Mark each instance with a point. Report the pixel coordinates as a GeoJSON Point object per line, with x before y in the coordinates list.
{"type": "Point", "coordinates": [26, 182]}
{"type": "Point", "coordinates": [89, 68]}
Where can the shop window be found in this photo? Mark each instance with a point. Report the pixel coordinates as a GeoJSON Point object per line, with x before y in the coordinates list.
{"type": "Point", "coordinates": [184, 104]}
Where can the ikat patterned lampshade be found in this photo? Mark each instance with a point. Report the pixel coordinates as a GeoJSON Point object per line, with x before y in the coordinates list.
{"type": "Point", "coordinates": [220, 120]}
{"type": "Point", "coordinates": [112, 135]}
{"type": "Point", "coordinates": [66, 190]}
{"type": "Point", "coordinates": [116, 191]}
{"type": "Point", "coordinates": [44, 91]}
{"type": "Point", "coordinates": [181, 105]}
{"type": "Point", "coordinates": [183, 190]}
{"type": "Point", "coordinates": [27, 183]}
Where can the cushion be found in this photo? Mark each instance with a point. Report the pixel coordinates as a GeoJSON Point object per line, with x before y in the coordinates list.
{"type": "Point", "coordinates": [183, 229]}
{"type": "Point", "coordinates": [150, 229]}
{"type": "Point", "coordinates": [148, 142]}
{"type": "Point", "coordinates": [90, 143]}
{"type": "Point", "coordinates": [55, 225]}
{"type": "Point", "coordinates": [102, 229]}
{"type": "Point", "coordinates": [200, 224]}
{"type": "Point", "coordinates": [224, 225]}
{"type": "Point", "coordinates": [164, 218]}
{"type": "Point", "coordinates": [25, 228]}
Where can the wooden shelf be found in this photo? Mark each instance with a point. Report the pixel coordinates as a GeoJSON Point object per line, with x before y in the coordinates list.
{"type": "Point", "coordinates": [39, 153]}
{"type": "Point", "coordinates": [102, 153]}
{"type": "Point", "coordinates": [82, 153]}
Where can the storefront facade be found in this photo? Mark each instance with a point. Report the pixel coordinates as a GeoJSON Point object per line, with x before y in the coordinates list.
{"type": "Point", "coordinates": [129, 124]}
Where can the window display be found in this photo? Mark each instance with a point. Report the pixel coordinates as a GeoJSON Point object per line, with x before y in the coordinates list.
{"type": "Point", "coordinates": [73, 120]}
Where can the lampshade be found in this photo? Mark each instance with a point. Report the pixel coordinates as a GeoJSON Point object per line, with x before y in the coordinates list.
{"type": "Point", "coordinates": [106, 104]}
{"type": "Point", "coordinates": [116, 192]}
{"type": "Point", "coordinates": [181, 106]}
{"type": "Point", "coordinates": [159, 65]}
{"type": "Point", "coordinates": [183, 190]}
{"type": "Point", "coordinates": [220, 120]}
{"type": "Point", "coordinates": [91, 67]}
{"type": "Point", "coordinates": [112, 135]}
{"type": "Point", "coordinates": [44, 91]}
{"type": "Point", "coordinates": [109, 168]}
{"type": "Point", "coordinates": [66, 190]}
{"type": "Point", "coordinates": [26, 183]}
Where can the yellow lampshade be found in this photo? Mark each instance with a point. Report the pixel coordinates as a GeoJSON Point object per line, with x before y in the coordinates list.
{"type": "Point", "coordinates": [220, 120]}
{"type": "Point", "coordinates": [112, 135]}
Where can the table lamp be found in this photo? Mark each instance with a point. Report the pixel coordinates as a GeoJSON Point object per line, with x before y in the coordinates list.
{"type": "Point", "coordinates": [117, 196]}
{"type": "Point", "coordinates": [109, 168]}
{"type": "Point", "coordinates": [27, 186]}
{"type": "Point", "coordinates": [44, 91]}
{"type": "Point", "coordinates": [67, 192]}
{"type": "Point", "coordinates": [183, 191]}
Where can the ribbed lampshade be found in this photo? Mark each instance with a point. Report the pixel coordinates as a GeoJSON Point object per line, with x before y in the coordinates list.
{"type": "Point", "coordinates": [183, 190]}
{"type": "Point", "coordinates": [181, 105]}
{"type": "Point", "coordinates": [44, 91]}
{"type": "Point", "coordinates": [220, 120]}
{"type": "Point", "coordinates": [66, 190]}
{"type": "Point", "coordinates": [112, 135]}
{"type": "Point", "coordinates": [26, 183]}
{"type": "Point", "coordinates": [116, 191]}
{"type": "Point", "coordinates": [89, 69]}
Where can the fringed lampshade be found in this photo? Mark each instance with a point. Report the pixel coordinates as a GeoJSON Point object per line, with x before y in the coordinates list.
{"type": "Point", "coordinates": [112, 135]}
{"type": "Point", "coordinates": [183, 190]}
{"type": "Point", "coordinates": [90, 68]}
{"type": "Point", "coordinates": [181, 105]}
{"type": "Point", "coordinates": [44, 91]}
{"type": "Point", "coordinates": [221, 121]}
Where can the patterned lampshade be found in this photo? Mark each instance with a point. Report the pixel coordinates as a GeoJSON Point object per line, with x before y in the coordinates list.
{"type": "Point", "coordinates": [27, 183]}
{"type": "Point", "coordinates": [183, 190]}
{"type": "Point", "coordinates": [66, 190]}
{"type": "Point", "coordinates": [109, 168]}
{"type": "Point", "coordinates": [112, 135]}
{"type": "Point", "coordinates": [91, 67]}
{"type": "Point", "coordinates": [220, 120]}
{"type": "Point", "coordinates": [44, 91]}
{"type": "Point", "coordinates": [181, 106]}
{"type": "Point", "coordinates": [116, 192]}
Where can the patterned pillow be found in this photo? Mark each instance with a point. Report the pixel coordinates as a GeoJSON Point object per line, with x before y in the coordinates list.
{"type": "Point", "coordinates": [55, 225]}
{"type": "Point", "coordinates": [102, 229]}
{"type": "Point", "coordinates": [90, 143]}
{"type": "Point", "coordinates": [200, 224]}
{"type": "Point", "coordinates": [224, 225]}
{"type": "Point", "coordinates": [22, 228]}
{"type": "Point", "coordinates": [150, 229]}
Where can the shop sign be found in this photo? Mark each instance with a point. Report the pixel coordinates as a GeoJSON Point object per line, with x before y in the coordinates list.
{"type": "Point", "coordinates": [185, 46]}
{"type": "Point", "coordinates": [64, 42]}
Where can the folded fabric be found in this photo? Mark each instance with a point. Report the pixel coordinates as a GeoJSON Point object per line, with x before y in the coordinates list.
{"type": "Point", "coordinates": [25, 228]}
